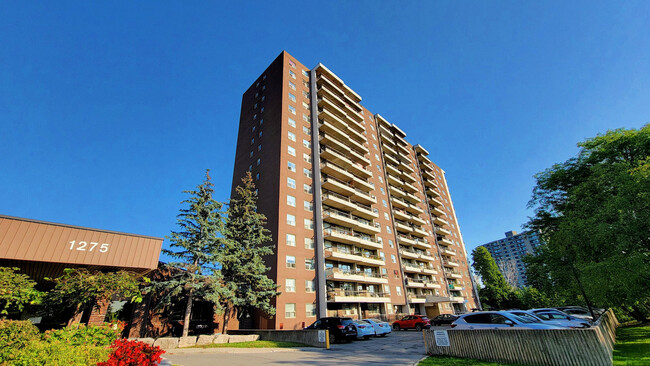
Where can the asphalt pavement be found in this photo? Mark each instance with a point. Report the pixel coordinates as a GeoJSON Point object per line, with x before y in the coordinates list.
{"type": "Point", "coordinates": [398, 348]}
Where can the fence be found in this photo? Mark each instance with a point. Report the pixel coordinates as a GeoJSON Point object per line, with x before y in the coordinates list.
{"type": "Point", "coordinates": [306, 336]}
{"type": "Point", "coordinates": [552, 347]}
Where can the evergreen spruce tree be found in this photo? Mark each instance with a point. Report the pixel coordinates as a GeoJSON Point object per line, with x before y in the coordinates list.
{"type": "Point", "coordinates": [196, 247]}
{"type": "Point", "coordinates": [245, 284]}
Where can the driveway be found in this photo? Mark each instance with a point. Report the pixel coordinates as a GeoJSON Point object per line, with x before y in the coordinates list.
{"type": "Point", "coordinates": [398, 348]}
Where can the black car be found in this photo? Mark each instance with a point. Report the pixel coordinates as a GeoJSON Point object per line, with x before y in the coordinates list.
{"type": "Point", "coordinates": [443, 319]}
{"type": "Point", "coordinates": [341, 329]}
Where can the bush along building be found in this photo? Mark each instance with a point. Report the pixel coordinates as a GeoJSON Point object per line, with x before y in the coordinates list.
{"type": "Point", "coordinates": [362, 221]}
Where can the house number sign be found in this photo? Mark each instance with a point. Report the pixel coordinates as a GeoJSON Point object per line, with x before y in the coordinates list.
{"type": "Point", "coordinates": [89, 247]}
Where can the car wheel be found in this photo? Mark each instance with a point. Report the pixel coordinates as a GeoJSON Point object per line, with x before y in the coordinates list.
{"type": "Point", "coordinates": [418, 327]}
{"type": "Point", "coordinates": [383, 335]}
{"type": "Point", "coordinates": [396, 326]}
{"type": "Point", "coordinates": [366, 337]}
{"type": "Point", "coordinates": [332, 338]}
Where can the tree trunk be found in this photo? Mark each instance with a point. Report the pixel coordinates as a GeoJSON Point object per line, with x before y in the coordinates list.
{"type": "Point", "coordinates": [188, 312]}
{"type": "Point", "coordinates": [226, 316]}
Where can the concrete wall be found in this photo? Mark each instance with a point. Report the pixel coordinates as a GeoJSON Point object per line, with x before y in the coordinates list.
{"type": "Point", "coordinates": [308, 337]}
{"type": "Point", "coordinates": [553, 347]}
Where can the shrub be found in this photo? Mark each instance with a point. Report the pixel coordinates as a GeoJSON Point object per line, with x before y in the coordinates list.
{"type": "Point", "coordinates": [59, 354]}
{"type": "Point", "coordinates": [15, 335]}
{"type": "Point", "coordinates": [84, 335]}
{"type": "Point", "coordinates": [133, 353]}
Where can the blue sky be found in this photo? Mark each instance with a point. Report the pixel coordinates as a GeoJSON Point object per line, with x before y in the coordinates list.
{"type": "Point", "coordinates": [109, 111]}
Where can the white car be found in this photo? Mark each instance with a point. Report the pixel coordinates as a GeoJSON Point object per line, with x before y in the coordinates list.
{"type": "Point", "coordinates": [563, 322]}
{"type": "Point", "coordinates": [364, 329]}
{"type": "Point", "coordinates": [381, 328]}
{"type": "Point", "coordinates": [497, 320]}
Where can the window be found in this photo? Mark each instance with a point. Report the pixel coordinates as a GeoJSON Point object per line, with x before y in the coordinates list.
{"type": "Point", "coordinates": [292, 136]}
{"type": "Point", "coordinates": [309, 264]}
{"type": "Point", "coordinates": [310, 310]}
{"type": "Point", "coordinates": [250, 155]}
{"type": "Point", "coordinates": [253, 129]}
{"type": "Point", "coordinates": [306, 158]}
{"type": "Point", "coordinates": [306, 172]}
{"type": "Point", "coordinates": [290, 310]}
{"type": "Point", "coordinates": [292, 74]}
{"type": "Point", "coordinates": [290, 285]}
{"type": "Point", "coordinates": [291, 166]}
{"type": "Point", "coordinates": [292, 97]}
{"type": "Point", "coordinates": [306, 188]}
{"type": "Point", "coordinates": [291, 201]}
{"type": "Point", "coordinates": [292, 86]}
{"type": "Point", "coordinates": [306, 143]}
{"type": "Point", "coordinates": [305, 117]}
{"type": "Point", "coordinates": [259, 161]}
{"type": "Point", "coordinates": [388, 229]}
{"type": "Point", "coordinates": [257, 176]}
{"type": "Point", "coordinates": [382, 190]}
{"type": "Point", "coordinates": [383, 202]}
{"type": "Point", "coordinates": [252, 141]}
{"type": "Point", "coordinates": [259, 147]}
{"type": "Point", "coordinates": [386, 216]}
{"type": "Point", "coordinates": [292, 109]}
{"type": "Point", "coordinates": [310, 286]}
{"type": "Point", "coordinates": [398, 290]}
{"type": "Point", "coordinates": [390, 243]}
{"type": "Point", "coordinates": [291, 240]}
{"type": "Point", "coordinates": [392, 258]}
{"type": "Point", "coordinates": [250, 168]}
{"type": "Point", "coordinates": [305, 105]}
{"type": "Point", "coordinates": [291, 261]}
{"type": "Point", "coordinates": [292, 64]}
{"type": "Point", "coordinates": [309, 206]}
{"type": "Point", "coordinates": [305, 94]}
{"type": "Point", "coordinates": [291, 220]}
{"type": "Point", "coordinates": [305, 73]}
{"type": "Point", "coordinates": [309, 243]}
{"type": "Point", "coordinates": [292, 123]}
{"type": "Point", "coordinates": [306, 130]}
{"type": "Point", "coordinates": [291, 183]}
{"type": "Point", "coordinates": [309, 224]}
{"type": "Point", "coordinates": [291, 151]}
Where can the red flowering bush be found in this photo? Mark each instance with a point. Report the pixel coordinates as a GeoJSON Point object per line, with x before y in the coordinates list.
{"type": "Point", "coordinates": [133, 353]}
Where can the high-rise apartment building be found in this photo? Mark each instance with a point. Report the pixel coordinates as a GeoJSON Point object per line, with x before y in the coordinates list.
{"type": "Point", "coordinates": [508, 253]}
{"type": "Point", "coordinates": [362, 221]}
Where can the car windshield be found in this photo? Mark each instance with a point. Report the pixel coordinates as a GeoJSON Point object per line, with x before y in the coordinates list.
{"type": "Point", "coordinates": [361, 322]}
{"type": "Point", "coordinates": [346, 321]}
{"type": "Point", "coordinates": [373, 320]}
{"type": "Point", "coordinates": [424, 318]}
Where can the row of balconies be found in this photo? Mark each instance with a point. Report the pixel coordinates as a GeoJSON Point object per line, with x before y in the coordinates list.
{"type": "Point", "coordinates": [348, 236]}
{"type": "Point", "coordinates": [345, 203]}
{"type": "Point", "coordinates": [338, 157]}
{"type": "Point", "coordinates": [354, 255]}
{"type": "Point", "coordinates": [335, 185]}
{"type": "Point", "coordinates": [328, 109]}
{"type": "Point", "coordinates": [408, 206]}
{"type": "Point", "coordinates": [327, 88]}
{"type": "Point", "coordinates": [415, 268]}
{"type": "Point", "coordinates": [345, 219]}
{"type": "Point", "coordinates": [406, 227]}
{"type": "Point", "coordinates": [342, 295]}
{"type": "Point", "coordinates": [420, 283]}
{"type": "Point", "coordinates": [452, 274]}
{"type": "Point", "coordinates": [412, 241]}
{"type": "Point", "coordinates": [337, 126]}
{"type": "Point", "coordinates": [355, 276]}
{"type": "Point", "coordinates": [403, 215]}
{"type": "Point", "coordinates": [412, 254]}
{"type": "Point", "coordinates": [402, 184]}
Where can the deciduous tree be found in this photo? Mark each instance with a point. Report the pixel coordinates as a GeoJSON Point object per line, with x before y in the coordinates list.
{"type": "Point", "coordinates": [16, 291]}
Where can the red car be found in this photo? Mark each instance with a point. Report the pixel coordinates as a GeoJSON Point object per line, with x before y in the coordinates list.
{"type": "Point", "coordinates": [417, 322]}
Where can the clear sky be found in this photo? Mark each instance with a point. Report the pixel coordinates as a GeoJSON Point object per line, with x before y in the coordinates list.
{"type": "Point", "coordinates": [109, 111]}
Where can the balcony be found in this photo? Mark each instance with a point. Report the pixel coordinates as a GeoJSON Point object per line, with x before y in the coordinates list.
{"type": "Point", "coordinates": [357, 140]}
{"type": "Point", "coordinates": [327, 139]}
{"type": "Point", "coordinates": [344, 236]}
{"type": "Point", "coordinates": [359, 158]}
{"type": "Point", "coordinates": [446, 251]}
{"type": "Point", "coordinates": [453, 274]}
{"type": "Point", "coordinates": [341, 295]}
{"type": "Point", "coordinates": [402, 227]}
{"type": "Point", "coordinates": [443, 231]}
{"type": "Point", "coordinates": [335, 185]}
{"type": "Point", "coordinates": [408, 254]}
{"type": "Point", "coordinates": [399, 203]}
{"type": "Point", "coordinates": [391, 159]}
{"type": "Point", "coordinates": [429, 270]}
{"type": "Point", "coordinates": [406, 167]}
{"type": "Point", "coordinates": [429, 176]}
{"type": "Point", "coordinates": [347, 220]}
{"type": "Point", "coordinates": [435, 202]}
{"type": "Point", "coordinates": [445, 241]}
{"type": "Point", "coordinates": [433, 185]}
{"type": "Point", "coordinates": [392, 170]}
{"type": "Point", "coordinates": [417, 299]}
{"type": "Point", "coordinates": [403, 239]}
{"type": "Point", "coordinates": [414, 283]}
{"type": "Point", "coordinates": [431, 284]}
{"type": "Point", "coordinates": [409, 187]}
{"type": "Point", "coordinates": [411, 268]}
{"type": "Point", "coordinates": [344, 203]}
{"type": "Point", "coordinates": [402, 147]}
{"type": "Point", "coordinates": [354, 256]}
{"type": "Point", "coordinates": [330, 94]}
{"type": "Point", "coordinates": [401, 215]}
{"type": "Point", "coordinates": [426, 257]}
{"type": "Point", "coordinates": [418, 231]}
{"type": "Point", "coordinates": [364, 197]}
{"type": "Point", "coordinates": [421, 244]}
{"type": "Point", "coordinates": [449, 263]}
{"type": "Point", "coordinates": [438, 212]}
{"type": "Point", "coordinates": [336, 157]}
{"type": "Point", "coordinates": [396, 191]}
{"type": "Point", "coordinates": [387, 149]}
{"type": "Point", "coordinates": [416, 220]}
{"type": "Point", "coordinates": [454, 287]}
{"type": "Point", "coordinates": [357, 136]}
{"type": "Point", "coordinates": [329, 105]}
{"type": "Point", "coordinates": [413, 209]}
{"type": "Point", "coordinates": [335, 132]}
{"type": "Point", "coordinates": [333, 170]}
{"type": "Point", "coordinates": [412, 198]}
{"type": "Point", "coordinates": [354, 276]}
{"type": "Point", "coordinates": [360, 170]}
{"type": "Point", "coordinates": [324, 79]}
{"type": "Point", "coordinates": [440, 221]}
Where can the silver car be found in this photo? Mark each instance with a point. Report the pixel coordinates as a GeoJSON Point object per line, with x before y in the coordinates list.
{"type": "Point", "coordinates": [551, 313]}
{"type": "Point", "coordinates": [381, 328]}
{"type": "Point", "coordinates": [563, 322]}
{"type": "Point", "coordinates": [497, 320]}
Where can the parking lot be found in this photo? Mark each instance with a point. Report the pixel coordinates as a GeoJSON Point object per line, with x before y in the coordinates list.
{"type": "Point", "coordinates": [398, 348]}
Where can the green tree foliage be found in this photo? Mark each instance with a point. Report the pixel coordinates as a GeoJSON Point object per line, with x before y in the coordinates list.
{"type": "Point", "coordinates": [246, 286]}
{"type": "Point", "coordinates": [594, 214]}
{"type": "Point", "coordinates": [495, 293]}
{"type": "Point", "coordinates": [196, 248]}
{"type": "Point", "coordinates": [16, 291]}
{"type": "Point", "coordinates": [81, 289]}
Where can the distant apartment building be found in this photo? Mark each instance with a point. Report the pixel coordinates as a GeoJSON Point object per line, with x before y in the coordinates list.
{"type": "Point", "coordinates": [509, 251]}
{"type": "Point", "coordinates": [362, 221]}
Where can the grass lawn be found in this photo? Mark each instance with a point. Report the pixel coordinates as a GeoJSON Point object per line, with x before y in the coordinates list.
{"type": "Point", "coordinates": [632, 348]}
{"type": "Point", "coordinates": [255, 344]}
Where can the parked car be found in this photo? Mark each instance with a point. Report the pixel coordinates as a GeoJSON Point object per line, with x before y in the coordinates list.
{"type": "Point", "coordinates": [444, 319]}
{"type": "Point", "coordinates": [417, 322]}
{"type": "Point", "coordinates": [381, 328]}
{"type": "Point", "coordinates": [547, 320]}
{"type": "Point", "coordinates": [364, 329]}
{"type": "Point", "coordinates": [581, 312]}
{"type": "Point", "coordinates": [497, 320]}
{"type": "Point", "coordinates": [340, 329]}
{"type": "Point", "coordinates": [552, 313]}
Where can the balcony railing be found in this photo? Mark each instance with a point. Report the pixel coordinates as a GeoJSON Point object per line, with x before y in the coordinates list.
{"type": "Point", "coordinates": [332, 271]}
{"type": "Point", "coordinates": [350, 293]}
